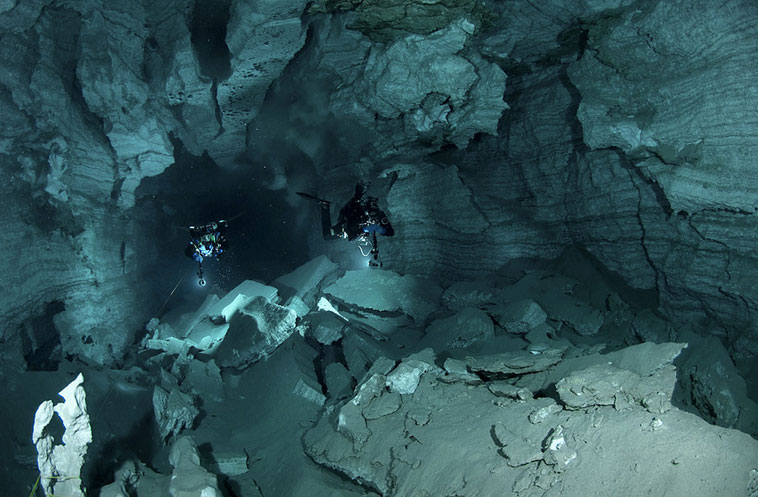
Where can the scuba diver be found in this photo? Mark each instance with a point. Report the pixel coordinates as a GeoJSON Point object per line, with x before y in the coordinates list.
{"type": "Point", "coordinates": [206, 241]}
{"type": "Point", "coordinates": [359, 219]}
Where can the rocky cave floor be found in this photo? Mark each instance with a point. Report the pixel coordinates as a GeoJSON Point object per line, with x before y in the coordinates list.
{"type": "Point", "coordinates": [366, 382]}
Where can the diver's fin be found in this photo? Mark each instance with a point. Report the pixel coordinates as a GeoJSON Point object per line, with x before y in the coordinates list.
{"type": "Point", "coordinates": [311, 197]}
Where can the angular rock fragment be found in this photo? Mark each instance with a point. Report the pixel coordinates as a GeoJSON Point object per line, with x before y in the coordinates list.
{"type": "Point", "coordinates": [338, 381]}
{"type": "Point", "coordinates": [301, 285]}
{"type": "Point", "coordinates": [468, 294]}
{"type": "Point", "coordinates": [189, 478]}
{"type": "Point", "coordinates": [558, 454]}
{"type": "Point", "coordinates": [580, 316]}
{"type": "Point", "coordinates": [307, 386]}
{"type": "Point", "coordinates": [710, 383]}
{"type": "Point", "coordinates": [519, 317]}
{"type": "Point", "coordinates": [544, 409]}
{"type": "Point", "coordinates": [384, 405]}
{"type": "Point", "coordinates": [350, 421]}
{"type": "Point", "coordinates": [516, 448]}
{"type": "Point", "coordinates": [309, 391]}
{"type": "Point", "coordinates": [360, 354]}
{"type": "Point", "coordinates": [391, 293]}
{"type": "Point", "coordinates": [208, 327]}
{"type": "Point", "coordinates": [644, 359]}
{"type": "Point", "coordinates": [458, 371]}
{"type": "Point", "coordinates": [405, 377]}
{"type": "Point", "coordinates": [464, 328]}
{"type": "Point", "coordinates": [503, 389]}
{"type": "Point", "coordinates": [174, 411]}
{"type": "Point", "coordinates": [598, 385]}
{"type": "Point", "coordinates": [604, 384]}
{"type": "Point", "coordinates": [205, 378]}
{"type": "Point", "coordinates": [409, 450]}
{"type": "Point", "coordinates": [325, 327]}
{"type": "Point", "coordinates": [255, 332]}
{"type": "Point", "coordinates": [228, 463]}
{"type": "Point", "coordinates": [510, 364]}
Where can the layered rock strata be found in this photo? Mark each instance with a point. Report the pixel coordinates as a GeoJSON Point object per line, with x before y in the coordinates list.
{"type": "Point", "coordinates": [616, 140]}
{"type": "Point", "coordinates": [94, 98]}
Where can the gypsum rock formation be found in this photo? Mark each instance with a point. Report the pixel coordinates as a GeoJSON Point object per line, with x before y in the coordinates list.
{"type": "Point", "coordinates": [60, 464]}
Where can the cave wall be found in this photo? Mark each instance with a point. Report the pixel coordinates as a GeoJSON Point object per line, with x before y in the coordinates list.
{"type": "Point", "coordinates": [627, 133]}
{"type": "Point", "coordinates": [63, 180]}
{"type": "Point", "coordinates": [492, 131]}
{"type": "Point", "coordinates": [93, 96]}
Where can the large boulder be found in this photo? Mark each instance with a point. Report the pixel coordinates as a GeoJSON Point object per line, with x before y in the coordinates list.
{"type": "Point", "coordinates": [386, 293]}
{"type": "Point", "coordinates": [255, 332]}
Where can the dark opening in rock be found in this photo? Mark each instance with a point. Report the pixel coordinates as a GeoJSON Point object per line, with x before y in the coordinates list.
{"type": "Point", "coordinates": [41, 340]}
{"type": "Point", "coordinates": [208, 37]}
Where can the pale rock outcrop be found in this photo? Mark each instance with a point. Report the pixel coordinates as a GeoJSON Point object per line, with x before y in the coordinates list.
{"type": "Point", "coordinates": [60, 465]}
{"type": "Point", "coordinates": [400, 79]}
{"type": "Point", "coordinates": [112, 40]}
{"type": "Point", "coordinates": [189, 478]}
{"type": "Point", "coordinates": [404, 378]}
{"type": "Point", "coordinates": [262, 38]}
{"type": "Point", "coordinates": [206, 328]}
{"type": "Point", "coordinates": [186, 90]}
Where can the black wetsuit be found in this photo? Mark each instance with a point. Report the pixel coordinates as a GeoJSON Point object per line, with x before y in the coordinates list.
{"type": "Point", "coordinates": [360, 216]}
